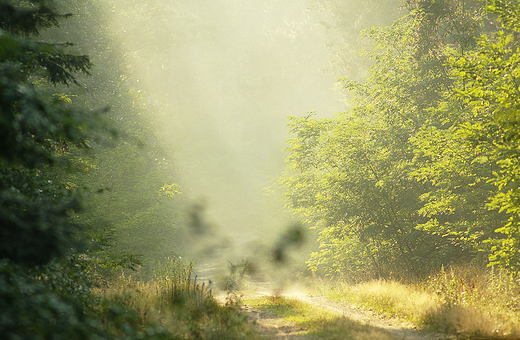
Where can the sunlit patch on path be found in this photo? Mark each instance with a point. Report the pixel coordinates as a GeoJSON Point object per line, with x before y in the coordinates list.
{"type": "Point", "coordinates": [271, 325]}
{"type": "Point", "coordinates": [302, 316]}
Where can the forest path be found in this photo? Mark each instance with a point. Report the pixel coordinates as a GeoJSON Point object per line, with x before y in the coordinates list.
{"type": "Point", "coordinates": [272, 326]}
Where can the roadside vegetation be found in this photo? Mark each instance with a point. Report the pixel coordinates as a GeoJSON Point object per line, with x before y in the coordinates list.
{"type": "Point", "coordinates": [413, 190]}
{"type": "Point", "coordinates": [466, 302]}
{"type": "Point", "coordinates": [177, 305]}
{"type": "Point", "coordinates": [420, 171]}
{"type": "Point", "coordinates": [458, 302]}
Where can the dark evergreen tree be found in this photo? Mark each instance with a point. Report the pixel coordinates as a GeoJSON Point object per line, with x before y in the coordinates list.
{"type": "Point", "coordinates": [34, 130]}
{"type": "Point", "coordinates": [44, 286]}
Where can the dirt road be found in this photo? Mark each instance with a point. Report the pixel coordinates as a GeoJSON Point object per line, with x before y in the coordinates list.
{"type": "Point", "coordinates": [272, 326]}
{"type": "Point", "coordinates": [275, 327]}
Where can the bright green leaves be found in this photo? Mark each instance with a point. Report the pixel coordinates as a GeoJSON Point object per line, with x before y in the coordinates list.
{"type": "Point", "coordinates": [348, 177]}
{"type": "Point", "coordinates": [508, 12]}
{"type": "Point", "coordinates": [472, 161]}
{"type": "Point", "coordinates": [487, 82]}
{"type": "Point", "coordinates": [422, 171]}
{"type": "Point", "coordinates": [170, 190]}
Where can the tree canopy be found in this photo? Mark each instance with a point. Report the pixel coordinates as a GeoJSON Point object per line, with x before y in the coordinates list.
{"type": "Point", "coordinates": [420, 172]}
{"type": "Point", "coordinates": [47, 249]}
{"type": "Point", "coordinates": [35, 131]}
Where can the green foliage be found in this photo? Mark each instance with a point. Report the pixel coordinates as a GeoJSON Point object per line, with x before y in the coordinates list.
{"type": "Point", "coordinates": [350, 175]}
{"type": "Point", "coordinates": [471, 159]}
{"type": "Point", "coordinates": [33, 126]}
{"type": "Point", "coordinates": [120, 178]}
{"type": "Point", "coordinates": [35, 131]}
{"type": "Point", "coordinates": [420, 172]}
{"type": "Point", "coordinates": [31, 311]}
{"type": "Point", "coordinates": [15, 18]}
{"type": "Point", "coordinates": [55, 302]}
{"type": "Point", "coordinates": [170, 190]}
{"type": "Point", "coordinates": [44, 282]}
{"type": "Point", "coordinates": [131, 198]}
{"type": "Point", "coordinates": [49, 261]}
{"type": "Point", "coordinates": [491, 90]}
{"type": "Point", "coordinates": [135, 207]}
{"type": "Point", "coordinates": [185, 308]}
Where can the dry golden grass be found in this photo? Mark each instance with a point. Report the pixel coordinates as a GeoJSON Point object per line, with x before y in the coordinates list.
{"type": "Point", "coordinates": [178, 303]}
{"type": "Point", "coordinates": [389, 298]}
{"type": "Point", "coordinates": [468, 302]}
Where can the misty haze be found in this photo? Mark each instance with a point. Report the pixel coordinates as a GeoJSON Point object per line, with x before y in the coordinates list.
{"type": "Point", "coordinates": [257, 169]}
{"type": "Point", "coordinates": [218, 80]}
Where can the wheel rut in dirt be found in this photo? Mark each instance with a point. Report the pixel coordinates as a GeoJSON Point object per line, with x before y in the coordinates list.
{"type": "Point", "coordinates": [272, 326]}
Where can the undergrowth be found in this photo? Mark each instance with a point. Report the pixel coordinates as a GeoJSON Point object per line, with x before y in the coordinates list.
{"type": "Point", "coordinates": [178, 304]}
{"type": "Point", "coordinates": [469, 303]}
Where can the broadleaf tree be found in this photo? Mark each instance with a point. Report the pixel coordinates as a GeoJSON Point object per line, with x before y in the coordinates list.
{"type": "Point", "coordinates": [473, 157]}
{"type": "Point", "coordinates": [397, 186]}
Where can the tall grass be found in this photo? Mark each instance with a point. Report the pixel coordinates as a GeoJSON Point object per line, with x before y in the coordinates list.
{"type": "Point", "coordinates": [175, 301]}
{"type": "Point", "coordinates": [389, 298]}
{"type": "Point", "coordinates": [469, 302]}
{"type": "Point", "coordinates": [476, 302]}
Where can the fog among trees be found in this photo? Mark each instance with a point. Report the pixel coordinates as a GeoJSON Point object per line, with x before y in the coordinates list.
{"type": "Point", "coordinates": [144, 143]}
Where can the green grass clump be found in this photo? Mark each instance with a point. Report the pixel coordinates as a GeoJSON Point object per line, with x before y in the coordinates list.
{"type": "Point", "coordinates": [317, 322]}
{"type": "Point", "coordinates": [179, 304]}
